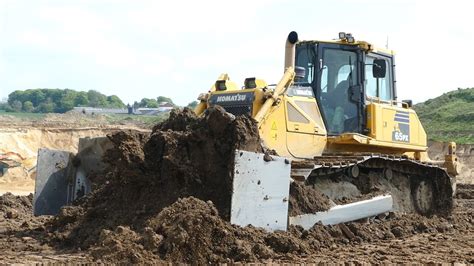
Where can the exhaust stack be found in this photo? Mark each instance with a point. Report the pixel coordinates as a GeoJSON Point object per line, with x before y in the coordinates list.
{"type": "Point", "coordinates": [290, 50]}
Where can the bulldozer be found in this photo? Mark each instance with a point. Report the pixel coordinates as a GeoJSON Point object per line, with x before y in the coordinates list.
{"type": "Point", "coordinates": [336, 114]}
{"type": "Point", "coordinates": [332, 123]}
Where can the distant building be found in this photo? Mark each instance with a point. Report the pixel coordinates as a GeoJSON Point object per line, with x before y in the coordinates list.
{"type": "Point", "coordinates": [163, 107]}
{"type": "Point", "coordinates": [94, 110]}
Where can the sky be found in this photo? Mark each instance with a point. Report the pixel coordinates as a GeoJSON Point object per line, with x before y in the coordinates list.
{"type": "Point", "coordinates": [138, 48]}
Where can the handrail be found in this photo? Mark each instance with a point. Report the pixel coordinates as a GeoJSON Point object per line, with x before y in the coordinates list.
{"type": "Point", "coordinates": [279, 89]}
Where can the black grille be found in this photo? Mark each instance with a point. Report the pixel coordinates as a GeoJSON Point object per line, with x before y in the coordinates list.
{"type": "Point", "coordinates": [239, 109]}
{"type": "Point", "coordinates": [236, 103]}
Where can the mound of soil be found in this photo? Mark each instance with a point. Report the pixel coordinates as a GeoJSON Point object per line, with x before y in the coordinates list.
{"type": "Point", "coordinates": [16, 212]}
{"type": "Point", "coordinates": [183, 156]}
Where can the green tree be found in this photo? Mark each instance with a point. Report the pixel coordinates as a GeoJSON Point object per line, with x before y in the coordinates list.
{"type": "Point", "coordinates": [60, 100]}
{"type": "Point", "coordinates": [38, 96]}
{"type": "Point", "coordinates": [115, 101]}
{"type": "Point", "coordinates": [96, 99]}
{"type": "Point", "coordinates": [149, 103]}
{"type": "Point", "coordinates": [81, 99]}
{"type": "Point", "coordinates": [17, 105]}
{"type": "Point", "coordinates": [161, 99]}
{"type": "Point", "coordinates": [28, 106]}
{"type": "Point", "coordinates": [66, 102]}
{"type": "Point", "coordinates": [46, 107]}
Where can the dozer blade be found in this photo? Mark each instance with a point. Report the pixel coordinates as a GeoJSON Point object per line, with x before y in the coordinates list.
{"type": "Point", "coordinates": [261, 192]}
{"type": "Point", "coordinates": [261, 188]}
{"type": "Point", "coordinates": [346, 213]}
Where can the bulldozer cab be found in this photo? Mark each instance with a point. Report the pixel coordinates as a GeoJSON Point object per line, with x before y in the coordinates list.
{"type": "Point", "coordinates": [344, 78]}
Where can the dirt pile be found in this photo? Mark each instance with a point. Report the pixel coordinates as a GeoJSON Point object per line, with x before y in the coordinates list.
{"type": "Point", "coordinates": [184, 156]}
{"type": "Point", "coordinates": [17, 212]}
{"type": "Point", "coordinates": [191, 230]}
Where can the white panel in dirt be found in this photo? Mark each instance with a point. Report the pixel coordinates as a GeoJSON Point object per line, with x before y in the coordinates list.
{"type": "Point", "coordinates": [260, 191]}
{"type": "Point", "coordinates": [52, 183]}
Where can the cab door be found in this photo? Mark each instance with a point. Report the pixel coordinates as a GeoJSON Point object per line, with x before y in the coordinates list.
{"type": "Point", "coordinates": [339, 88]}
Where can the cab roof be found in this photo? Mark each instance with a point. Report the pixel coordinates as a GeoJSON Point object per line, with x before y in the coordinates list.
{"type": "Point", "coordinates": [362, 44]}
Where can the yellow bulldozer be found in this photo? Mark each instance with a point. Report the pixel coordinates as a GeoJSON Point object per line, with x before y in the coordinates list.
{"type": "Point", "coordinates": [332, 125]}
{"type": "Point", "coordinates": [336, 115]}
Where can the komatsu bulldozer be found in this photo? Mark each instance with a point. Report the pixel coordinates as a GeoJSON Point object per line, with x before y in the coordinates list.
{"type": "Point", "coordinates": [333, 124]}
{"type": "Point", "coordinates": [335, 113]}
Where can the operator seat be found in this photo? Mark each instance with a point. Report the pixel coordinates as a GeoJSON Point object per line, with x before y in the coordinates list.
{"type": "Point", "coordinates": [340, 98]}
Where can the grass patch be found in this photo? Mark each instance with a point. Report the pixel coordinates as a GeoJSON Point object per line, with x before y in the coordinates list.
{"type": "Point", "coordinates": [24, 116]}
{"type": "Point", "coordinates": [149, 120]}
{"type": "Point", "coordinates": [449, 117]}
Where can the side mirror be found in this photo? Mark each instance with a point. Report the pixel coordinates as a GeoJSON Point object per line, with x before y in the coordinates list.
{"type": "Point", "coordinates": [379, 68]}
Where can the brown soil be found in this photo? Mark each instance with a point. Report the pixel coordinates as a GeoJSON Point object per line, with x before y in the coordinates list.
{"type": "Point", "coordinates": [23, 237]}
{"type": "Point", "coordinates": [166, 197]}
{"type": "Point", "coordinates": [465, 191]}
{"type": "Point", "coordinates": [306, 199]}
{"type": "Point", "coordinates": [191, 230]}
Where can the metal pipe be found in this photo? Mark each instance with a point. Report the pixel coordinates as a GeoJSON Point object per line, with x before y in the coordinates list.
{"type": "Point", "coordinates": [279, 89]}
{"type": "Point", "coordinates": [290, 49]}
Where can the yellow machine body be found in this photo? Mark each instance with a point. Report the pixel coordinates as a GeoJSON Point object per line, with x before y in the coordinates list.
{"type": "Point", "coordinates": [293, 125]}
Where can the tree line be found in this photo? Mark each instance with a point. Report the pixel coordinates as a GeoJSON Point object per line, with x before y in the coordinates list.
{"type": "Point", "coordinates": [63, 100]}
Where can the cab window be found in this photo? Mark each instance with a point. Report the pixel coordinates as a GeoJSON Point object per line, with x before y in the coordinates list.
{"type": "Point", "coordinates": [302, 86]}
{"type": "Point", "coordinates": [378, 87]}
{"type": "Point", "coordinates": [339, 73]}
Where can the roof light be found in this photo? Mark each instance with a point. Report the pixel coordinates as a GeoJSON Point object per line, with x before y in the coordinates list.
{"type": "Point", "coordinates": [346, 37]}
{"type": "Point", "coordinates": [250, 83]}
{"type": "Point", "coordinates": [220, 85]}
